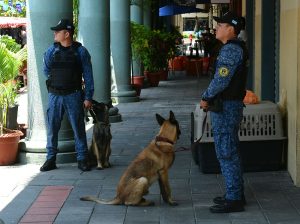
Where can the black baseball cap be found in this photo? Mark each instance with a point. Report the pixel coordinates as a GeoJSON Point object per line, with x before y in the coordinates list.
{"type": "Point", "coordinates": [231, 19]}
{"type": "Point", "coordinates": [63, 24]}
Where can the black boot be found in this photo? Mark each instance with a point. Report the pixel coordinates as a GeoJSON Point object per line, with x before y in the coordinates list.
{"type": "Point", "coordinates": [50, 164]}
{"type": "Point", "coordinates": [83, 165]}
{"type": "Point", "coordinates": [228, 206]}
{"type": "Point", "coordinates": [221, 200]}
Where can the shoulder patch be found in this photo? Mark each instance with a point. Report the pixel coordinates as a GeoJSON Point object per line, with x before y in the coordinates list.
{"type": "Point", "coordinates": [223, 71]}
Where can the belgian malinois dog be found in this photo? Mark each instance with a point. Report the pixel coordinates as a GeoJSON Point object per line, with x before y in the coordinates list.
{"type": "Point", "coordinates": [100, 150]}
{"type": "Point", "coordinates": [150, 165]}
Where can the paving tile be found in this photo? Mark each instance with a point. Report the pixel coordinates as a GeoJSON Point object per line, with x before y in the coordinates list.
{"type": "Point", "coordinates": [47, 205]}
{"type": "Point", "coordinates": [210, 221]}
{"type": "Point", "coordinates": [282, 216]}
{"type": "Point", "coordinates": [36, 218]}
{"type": "Point", "coordinates": [97, 218]}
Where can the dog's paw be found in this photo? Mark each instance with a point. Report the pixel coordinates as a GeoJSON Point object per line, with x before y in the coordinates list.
{"type": "Point", "coordinates": [107, 165]}
{"type": "Point", "coordinates": [99, 168]}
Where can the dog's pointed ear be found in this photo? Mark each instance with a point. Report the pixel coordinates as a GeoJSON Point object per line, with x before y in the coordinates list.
{"type": "Point", "coordinates": [159, 119]}
{"type": "Point", "coordinates": [172, 117]}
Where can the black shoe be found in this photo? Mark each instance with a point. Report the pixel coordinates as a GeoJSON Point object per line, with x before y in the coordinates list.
{"type": "Point", "coordinates": [48, 165]}
{"type": "Point", "coordinates": [83, 165]}
{"type": "Point", "coordinates": [221, 200]}
{"type": "Point", "coordinates": [228, 206]}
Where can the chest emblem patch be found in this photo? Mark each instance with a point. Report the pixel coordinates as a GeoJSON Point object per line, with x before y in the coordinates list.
{"type": "Point", "coordinates": [223, 71]}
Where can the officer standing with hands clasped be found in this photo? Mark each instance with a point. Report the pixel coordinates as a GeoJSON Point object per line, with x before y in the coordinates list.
{"type": "Point", "coordinates": [224, 99]}
{"type": "Point", "coordinates": [66, 64]}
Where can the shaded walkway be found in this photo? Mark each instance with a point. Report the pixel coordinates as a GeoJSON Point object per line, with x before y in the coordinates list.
{"type": "Point", "coordinates": [271, 196]}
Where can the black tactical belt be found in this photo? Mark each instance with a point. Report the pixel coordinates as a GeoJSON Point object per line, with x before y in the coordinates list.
{"type": "Point", "coordinates": [62, 91]}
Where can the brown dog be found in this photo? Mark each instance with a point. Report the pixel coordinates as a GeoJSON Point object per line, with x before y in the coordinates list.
{"type": "Point", "coordinates": [150, 165]}
{"type": "Point", "coordinates": [100, 150]}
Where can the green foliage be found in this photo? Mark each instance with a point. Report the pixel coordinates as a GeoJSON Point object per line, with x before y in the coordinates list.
{"type": "Point", "coordinates": [10, 43]}
{"type": "Point", "coordinates": [8, 65]}
{"type": "Point", "coordinates": [11, 61]}
{"type": "Point", "coordinates": [11, 58]}
{"type": "Point", "coordinates": [75, 16]}
{"type": "Point", "coordinates": [153, 47]}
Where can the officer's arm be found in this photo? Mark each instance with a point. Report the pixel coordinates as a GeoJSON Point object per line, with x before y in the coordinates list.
{"type": "Point", "coordinates": [87, 73]}
{"type": "Point", "coordinates": [230, 57]}
{"type": "Point", "coordinates": [47, 61]}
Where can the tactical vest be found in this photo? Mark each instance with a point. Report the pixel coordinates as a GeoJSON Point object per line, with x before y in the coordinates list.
{"type": "Point", "coordinates": [236, 90]}
{"type": "Point", "coordinates": [66, 70]}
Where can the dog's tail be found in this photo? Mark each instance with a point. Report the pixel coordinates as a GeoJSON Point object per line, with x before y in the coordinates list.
{"type": "Point", "coordinates": [114, 201]}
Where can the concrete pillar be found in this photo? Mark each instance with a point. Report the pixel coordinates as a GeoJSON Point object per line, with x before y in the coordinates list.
{"type": "Point", "coordinates": [136, 11]}
{"type": "Point", "coordinates": [94, 34]}
{"type": "Point", "coordinates": [147, 14]}
{"type": "Point", "coordinates": [136, 15]}
{"type": "Point", "coordinates": [43, 14]}
{"type": "Point", "coordinates": [120, 51]}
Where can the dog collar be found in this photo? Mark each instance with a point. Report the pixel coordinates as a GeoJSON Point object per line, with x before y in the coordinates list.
{"type": "Point", "coordinates": [163, 139]}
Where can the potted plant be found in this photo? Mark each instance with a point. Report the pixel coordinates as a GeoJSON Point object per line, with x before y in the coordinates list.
{"type": "Point", "coordinates": [142, 41]}
{"type": "Point", "coordinates": [11, 59]}
{"type": "Point", "coordinates": [153, 48]}
{"type": "Point", "coordinates": [139, 39]}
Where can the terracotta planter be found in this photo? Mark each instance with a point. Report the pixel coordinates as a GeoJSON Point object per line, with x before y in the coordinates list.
{"type": "Point", "coordinates": [178, 63]}
{"type": "Point", "coordinates": [138, 80]}
{"type": "Point", "coordinates": [153, 78]}
{"type": "Point", "coordinates": [9, 147]}
{"type": "Point", "coordinates": [164, 75]}
{"type": "Point", "coordinates": [194, 67]}
{"type": "Point", "coordinates": [137, 89]}
{"type": "Point", "coordinates": [205, 65]}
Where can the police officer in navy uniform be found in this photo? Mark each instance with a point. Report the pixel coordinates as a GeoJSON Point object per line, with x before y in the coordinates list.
{"type": "Point", "coordinates": [66, 65]}
{"type": "Point", "coordinates": [227, 89]}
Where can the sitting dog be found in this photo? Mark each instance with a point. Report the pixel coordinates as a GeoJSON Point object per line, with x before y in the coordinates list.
{"type": "Point", "coordinates": [150, 165]}
{"type": "Point", "coordinates": [100, 150]}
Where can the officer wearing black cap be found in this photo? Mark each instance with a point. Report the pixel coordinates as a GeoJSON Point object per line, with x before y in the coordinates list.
{"type": "Point", "coordinates": [66, 65]}
{"type": "Point", "coordinates": [227, 89]}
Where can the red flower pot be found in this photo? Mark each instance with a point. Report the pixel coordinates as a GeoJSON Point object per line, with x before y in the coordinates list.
{"type": "Point", "coordinates": [164, 75]}
{"type": "Point", "coordinates": [138, 80]}
{"type": "Point", "coordinates": [153, 78]}
{"type": "Point", "coordinates": [137, 89]}
{"type": "Point", "coordinates": [9, 147]}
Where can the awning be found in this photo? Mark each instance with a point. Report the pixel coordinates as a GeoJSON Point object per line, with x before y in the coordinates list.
{"type": "Point", "coordinates": [170, 10]}
{"type": "Point", "coordinates": [12, 22]}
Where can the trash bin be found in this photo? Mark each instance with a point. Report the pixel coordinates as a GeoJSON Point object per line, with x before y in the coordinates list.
{"type": "Point", "coordinates": [261, 136]}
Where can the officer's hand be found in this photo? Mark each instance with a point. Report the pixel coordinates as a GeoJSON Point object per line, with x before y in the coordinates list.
{"type": "Point", "coordinates": [87, 104]}
{"type": "Point", "coordinates": [203, 104]}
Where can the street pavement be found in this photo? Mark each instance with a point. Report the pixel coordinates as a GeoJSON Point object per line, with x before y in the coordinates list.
{"type": "Point", "coordinates": [271, 197]}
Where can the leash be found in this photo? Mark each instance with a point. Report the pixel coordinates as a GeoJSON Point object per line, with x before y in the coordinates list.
{"type": "Point", "coordinates": [180, 149]}
{"type": "Point", "coordinates": [95, 116]}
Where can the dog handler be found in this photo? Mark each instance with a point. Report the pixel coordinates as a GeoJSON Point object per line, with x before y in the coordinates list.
{"type": "Point", "coordinates": [228, 85]}
{"type": "Point", "coordinates": [66, 63]}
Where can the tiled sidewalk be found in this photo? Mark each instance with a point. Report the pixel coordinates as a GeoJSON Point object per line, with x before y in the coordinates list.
{"type": "Point", "coordinates": [271, 196]}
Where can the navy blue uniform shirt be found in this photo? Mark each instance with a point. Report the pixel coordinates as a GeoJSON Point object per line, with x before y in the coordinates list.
{"type": "Point", "coordinates": [230, 57]}
{"type": "Point", "coordinates": [85, 59]}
